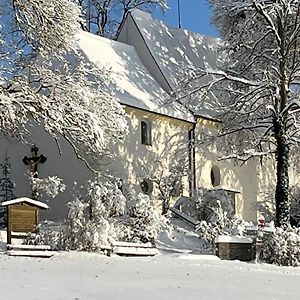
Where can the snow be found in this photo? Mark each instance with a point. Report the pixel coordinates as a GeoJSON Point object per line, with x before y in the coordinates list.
{"type": "Point", "coordinates": [178, 273]}
{"type": "Point", "coordinates": [177, 49]}
{"type": "Point", "coordinates": [130, 244]}
{"type": "Point", "coordinates": [26, 200]}
{"type": "Point", "coordinates": [135, 251]}
{"type": "Point", "coordinates": [77, 275]}
{"type": "Point", "coordinates": [29, 253]}
{"type": "Point", "coordinates": [233, 239]}
{"type": "Point", "coordinates": [180, 238]}
{"type": "Point", "coordinates": [184, 216]}
{"type": "Point", "coordinates": [225, 188]}
{"type": "Point", "coordinates": [135, 86]}
{"type": "Point", "coordinates": [28, 247]}
{"type": "Point", "coordinates": [173, 46]}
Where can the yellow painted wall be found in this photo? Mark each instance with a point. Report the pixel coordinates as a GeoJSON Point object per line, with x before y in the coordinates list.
{"type": "Point", "coordinates": [266, 174]}
{"type": "Point", "coordinates": [232, 176]}
{"type": "Point", "coordinates": [134, 160]}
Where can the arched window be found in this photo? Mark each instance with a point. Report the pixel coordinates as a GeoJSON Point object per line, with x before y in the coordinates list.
{"type": "Point", "coordinates": [146, 132]}
{"type": "Point", "coordinates": [215, 176]}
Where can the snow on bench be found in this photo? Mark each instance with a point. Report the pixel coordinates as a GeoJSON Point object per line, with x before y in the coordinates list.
{"type": "Point", "coordinates": [131, 244]}
{"type": "Point", "coordinates": [29, 253]}
{"type": "Point", "coordinates": [22, 234]}
{"type": "Point", "coordinates": [134, 249]}
{"type": "Point", "coordinates": [28, 247]}
{"type": "Point", "coordinates": [29, 250]}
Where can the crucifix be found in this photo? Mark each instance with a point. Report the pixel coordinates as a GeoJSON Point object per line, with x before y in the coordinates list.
{"type": "Point", "coordinates": [33, 162]}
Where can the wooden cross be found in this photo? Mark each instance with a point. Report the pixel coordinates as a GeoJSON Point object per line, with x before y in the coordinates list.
{"type": "Point", "coordinates": [33, 162]}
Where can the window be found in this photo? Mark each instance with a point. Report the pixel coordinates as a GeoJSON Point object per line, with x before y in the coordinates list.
{"type": "Point", "coordinates": [232, 197]}
{"type": "Point", "coordinates": [215, 176]}
{"type": "Point", "coordinates": [146, 132]}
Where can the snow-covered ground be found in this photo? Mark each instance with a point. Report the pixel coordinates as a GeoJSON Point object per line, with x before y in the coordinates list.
{"type": "Point", "coordinates": [167, 276]}
{"type": "Point", "coordinates": [181, 271]}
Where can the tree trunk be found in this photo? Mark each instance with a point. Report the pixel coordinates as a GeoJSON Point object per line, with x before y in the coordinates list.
{"type": "Point", "coordinates": [282, 186]}
{"type": "Point", "coordinates": [165, 206]}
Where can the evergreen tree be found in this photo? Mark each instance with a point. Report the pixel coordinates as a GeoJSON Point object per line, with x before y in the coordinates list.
{"type": "Point", "coordinates": [6, 188]}
{"type": "Point", "coordinates": [6, 184]}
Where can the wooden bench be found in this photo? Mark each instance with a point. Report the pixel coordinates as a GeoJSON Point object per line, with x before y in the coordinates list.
{"type": "Point", "coordinates": [29, 250]}
{"type": "Point", "coordinates": [134, 249]}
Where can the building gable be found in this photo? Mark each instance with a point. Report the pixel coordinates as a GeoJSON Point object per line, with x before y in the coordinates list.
{"type": "Point", "coordinates": [130, 34]}
{"type": "Point", "coordinates": [169, 52]}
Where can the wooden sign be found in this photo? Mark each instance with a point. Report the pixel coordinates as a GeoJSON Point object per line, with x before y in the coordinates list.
{"type": "Point", "coordinates": [22, 217]}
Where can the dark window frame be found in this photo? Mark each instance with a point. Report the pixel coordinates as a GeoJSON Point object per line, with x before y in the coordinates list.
{"type": "Point", "coordinates": [146, 130]}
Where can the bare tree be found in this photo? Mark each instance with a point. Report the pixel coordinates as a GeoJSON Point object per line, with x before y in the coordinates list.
{"type": "Point", "coordinates": [258, 84]}
{"type": "Point", "coordinates": [105, 17]}
{"type": "Point", "coordinates": [169, 181]}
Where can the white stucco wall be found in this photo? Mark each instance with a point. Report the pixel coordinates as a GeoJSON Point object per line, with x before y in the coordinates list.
{"type": "Point", "coordinates": [65, 166]}
{"type": "Point", "coordinates": [133, 160]}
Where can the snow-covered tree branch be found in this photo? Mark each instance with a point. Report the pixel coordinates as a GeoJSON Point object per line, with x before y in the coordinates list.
{"type": "Point", "coordinates": [105, 17]}
{"type": "Point", "coordinates": [257, 85]}
{"type": "Point", "coordinates": [44, 78]}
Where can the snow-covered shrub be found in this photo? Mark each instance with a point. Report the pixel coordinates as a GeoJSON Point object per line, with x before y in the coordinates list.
{"type": "Point", "coordinates": [144, 221]}
{"type": "Point", "coordinates": [50, 186]}
{"type": "Point", "coordinates": [213, 206]}
{"type": "Point", "coordinates": [281, 247]}
{"type": "Point", "coordinates": [208, 232]}
{"type": "Point", "coordinates": [101, 214]}
{"type": "Point", "coordinates": [95, 216]}
{"type": "Point", "coordinates": [216, 215]}
{"type": "Point", "coordinates": [233, 226]}
{"type": "Point", "coordinates": [47, 235]}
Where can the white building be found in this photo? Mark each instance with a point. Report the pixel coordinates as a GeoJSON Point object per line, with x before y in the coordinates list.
{"type": "Point", "coordinates": [145, 63]}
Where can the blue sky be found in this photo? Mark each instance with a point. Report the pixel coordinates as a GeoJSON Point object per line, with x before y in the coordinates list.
{"type": "Point", "coordinates": [195, 16]}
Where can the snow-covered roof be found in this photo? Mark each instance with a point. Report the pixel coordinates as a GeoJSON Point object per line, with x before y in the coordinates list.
{"type": "Point", "coordinates": [175, 49]}
{"type": "Point", "coordinates": [26, 200]}
{"type": "Point", "coordinates": [135, 86]}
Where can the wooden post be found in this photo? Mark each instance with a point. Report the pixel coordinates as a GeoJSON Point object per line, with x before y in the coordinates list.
{"type": "Point", "coordinates": [8, 225]}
